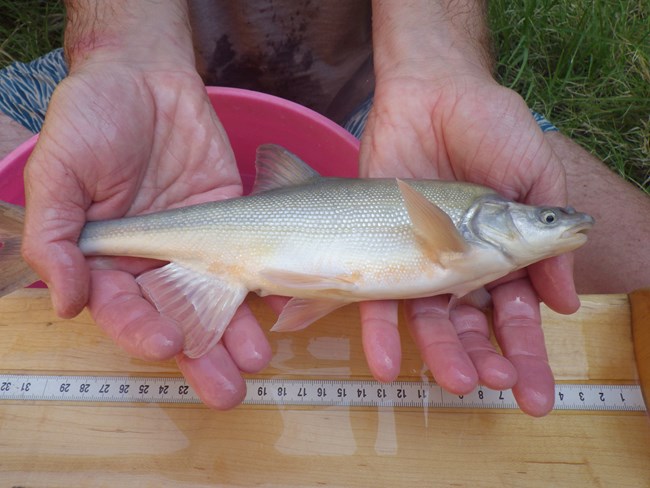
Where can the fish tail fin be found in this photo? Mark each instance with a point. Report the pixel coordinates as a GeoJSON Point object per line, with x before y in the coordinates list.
{"type": "Point", "coordinates": [15, 273]}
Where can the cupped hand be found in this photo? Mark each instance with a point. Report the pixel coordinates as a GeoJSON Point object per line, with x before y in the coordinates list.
{"type": "Point", "coordinates": [466, 127]}
{"type": "Point", "coordinates": [122, 140]}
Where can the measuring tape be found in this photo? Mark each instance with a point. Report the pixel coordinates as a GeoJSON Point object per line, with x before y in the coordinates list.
{"type": "Point", "coordinates": [308, 392]}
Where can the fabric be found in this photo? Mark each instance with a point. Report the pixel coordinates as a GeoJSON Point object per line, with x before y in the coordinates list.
{"type": "Point", "coordinates": [356, 123]}
{"type": "Point", "coordinates": [26, 88]}
{"type": "Point", "coordinates": [544, 123]}
{"type": "Point", "coordinates": [307, 51]}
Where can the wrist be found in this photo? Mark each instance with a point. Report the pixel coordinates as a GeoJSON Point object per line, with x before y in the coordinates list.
{"type": "Point", "coordinates": [129, 31]}
{"type": "Point", "coordinates": [431, 38]}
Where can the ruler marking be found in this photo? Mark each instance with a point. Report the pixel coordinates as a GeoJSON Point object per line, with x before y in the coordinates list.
{"type": "Point", "coordinates": [288, 392]}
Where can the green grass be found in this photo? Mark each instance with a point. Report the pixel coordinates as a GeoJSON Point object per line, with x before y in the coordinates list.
{"type": "Point", "coordinates": [584, 64]}
{"type": "Point", "coordinates": [29, 28]}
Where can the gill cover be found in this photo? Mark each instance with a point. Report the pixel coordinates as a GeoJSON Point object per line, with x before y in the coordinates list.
{"type": "Point", "coordinates": [525, 233]}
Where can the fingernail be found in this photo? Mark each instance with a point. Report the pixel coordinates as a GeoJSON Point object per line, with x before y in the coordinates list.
{"type": "Point", "coordinates": [465, 382]}
{"type": "Point", "coordinates": [253, 356]}
{"type": "Point", "coordinates": [163, 345]}
{"type": "Point", "coordinates": [537, 403]}
{"type": "Point", "coordinates": [215, 378]}
{"type": "Point", "coordinates": [56, 301]}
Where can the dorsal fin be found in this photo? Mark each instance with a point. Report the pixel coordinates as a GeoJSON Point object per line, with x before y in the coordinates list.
{"type": "Point", "coordinates": [435, 231]}
{"type": "Point", "coordinates": [277, 167]}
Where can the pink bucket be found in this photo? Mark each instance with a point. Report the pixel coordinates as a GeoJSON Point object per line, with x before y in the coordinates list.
{"type": "Point", "coordinates": [250, 119]}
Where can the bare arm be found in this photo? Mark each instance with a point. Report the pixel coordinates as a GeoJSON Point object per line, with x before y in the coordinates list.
{"type": "Point", "coordinates": [420, 35]}
{"type": "Point", "coordinates": [133, 31]}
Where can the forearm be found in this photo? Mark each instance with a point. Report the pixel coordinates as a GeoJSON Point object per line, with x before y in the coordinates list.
{"type": "Point", "coordinates": [431, 34]}
{"type": "Point", "coordinates": [139, 31]}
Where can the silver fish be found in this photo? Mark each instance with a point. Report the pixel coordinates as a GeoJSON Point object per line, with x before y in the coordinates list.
{"type": "Point", "coordinates": [325, 242]}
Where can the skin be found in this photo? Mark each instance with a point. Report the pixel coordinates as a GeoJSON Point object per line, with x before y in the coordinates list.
{"type": "Point", "coordinates": [606, 265]}
{"type": "Point", "coordinates": [116, 141]}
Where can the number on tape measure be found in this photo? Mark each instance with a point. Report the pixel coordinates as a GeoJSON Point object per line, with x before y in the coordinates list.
{"type": "Point", "coordinates": [274, 391]}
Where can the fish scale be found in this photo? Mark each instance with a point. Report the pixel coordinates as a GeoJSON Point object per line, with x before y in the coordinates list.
{"type": "Point", "coordinates": [267, 221]}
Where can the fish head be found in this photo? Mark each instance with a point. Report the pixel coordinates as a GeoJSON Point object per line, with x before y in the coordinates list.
{"type": "Point", "coordinates": [525, 233]}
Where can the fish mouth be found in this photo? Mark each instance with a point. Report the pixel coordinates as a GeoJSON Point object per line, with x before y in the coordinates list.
{"type": "Point", "coordinates": [581, 228]}
{"type": "Point", "coordinates": [576, 236]}
{"type": "Point", "coordinates": [572, 240]}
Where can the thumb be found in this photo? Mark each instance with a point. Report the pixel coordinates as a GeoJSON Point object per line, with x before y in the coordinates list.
{"type": "Point", "coordinates": [54, 217]}
{"type": "Point", "coordinates": [552, 278]}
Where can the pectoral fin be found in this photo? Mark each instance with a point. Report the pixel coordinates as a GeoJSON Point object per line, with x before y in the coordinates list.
{"type": "Point", "coordinates": [202, 304]}
{"type": "Point", "coordinates": [435, 231]}
{"type": "Point", "coordinates": [299, 313]}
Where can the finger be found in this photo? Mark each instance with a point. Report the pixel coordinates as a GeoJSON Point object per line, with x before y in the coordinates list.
{"type": "Point", "coordinates": [553, 282]}
{"type": "Point", "coordinates": [277, 303]}
{"type": "Point", "coordinates": [439, 345]}
{"type": "Point", "coordinates": [380, 338]}
{"type": "Point", "coordinates": [133, 266]}
{"type": "Point", "coordinates": [118, 308]}
{"type": "Point", "coordinates": [62, 266]}
{"type": "Point", "coordinates": [214, 377]}
{"type": "Point", "coordinates": [246, 342]}
{"type": "Point", "coordinates": [494, 371]}
{"type": "Point", "coordinates": [517, 326]}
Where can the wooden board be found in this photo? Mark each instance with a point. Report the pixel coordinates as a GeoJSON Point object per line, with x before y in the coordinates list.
{"type": "Point", "coordinates": [152, 445]}
{"type": "Point", "coordinates": [640, 315]}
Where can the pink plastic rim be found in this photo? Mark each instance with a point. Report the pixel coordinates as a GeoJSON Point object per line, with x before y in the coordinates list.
{"type": "Point", "coordinates": [250, 119]}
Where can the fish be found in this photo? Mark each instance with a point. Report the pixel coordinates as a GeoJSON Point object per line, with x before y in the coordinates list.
{"type": "Point", "coordinates": [323, 242]}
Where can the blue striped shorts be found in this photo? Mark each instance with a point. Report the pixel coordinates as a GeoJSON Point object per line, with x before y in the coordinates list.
{"type": "Point", "coordinates": [356, 122]}
{"type": "Point", "coordinates": [26, 88]}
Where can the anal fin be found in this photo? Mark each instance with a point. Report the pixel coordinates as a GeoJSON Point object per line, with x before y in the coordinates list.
{"type": "Point", "coordinates": [202, 304]}
{"type": "Point", "coordinates": [299, 313]}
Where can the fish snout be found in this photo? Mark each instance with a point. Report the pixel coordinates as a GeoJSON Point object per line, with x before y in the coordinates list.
{"type": "Point", "coordinates": [584, 222]}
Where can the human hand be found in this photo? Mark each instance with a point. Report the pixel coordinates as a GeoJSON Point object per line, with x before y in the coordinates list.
{"type": "Point", "coordinates": [124, 138]}
{"type": "Point", "coordinates": [466, 127]}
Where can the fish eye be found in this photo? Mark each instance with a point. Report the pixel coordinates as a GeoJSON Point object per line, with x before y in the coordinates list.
{"type": "Point", "coordinates": [548, 217]}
